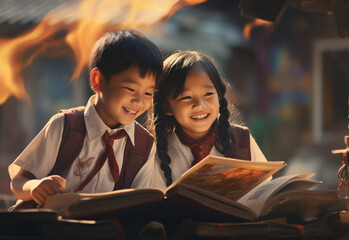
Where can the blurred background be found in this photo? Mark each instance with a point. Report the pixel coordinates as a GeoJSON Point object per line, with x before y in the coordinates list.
{"type": "Point", "coordinates": [288, 62]}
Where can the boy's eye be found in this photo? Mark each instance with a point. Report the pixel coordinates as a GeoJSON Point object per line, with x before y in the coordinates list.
{"type": "Point", "coordinates": [130, 89]}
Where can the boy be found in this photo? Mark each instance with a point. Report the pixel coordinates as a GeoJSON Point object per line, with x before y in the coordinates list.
{"type": "Point", "coordinates": [111, 150]}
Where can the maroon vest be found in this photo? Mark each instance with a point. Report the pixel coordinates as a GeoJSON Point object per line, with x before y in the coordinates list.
{"type": "Point", "coordinates": [73, 136]}
{"type": "Point", "coordinates": [241, 137]}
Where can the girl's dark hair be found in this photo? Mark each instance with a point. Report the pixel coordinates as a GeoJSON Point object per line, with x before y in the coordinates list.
{"type": "Point", "coordinates": [116, 52]}
{"type": "Point", "coordinates": [176, 68]}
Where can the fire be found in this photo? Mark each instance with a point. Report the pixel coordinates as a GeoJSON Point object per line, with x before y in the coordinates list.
{"type": "Point", "coordinates": [85, 21]}
{"type": "Point", "coordinates": [13, 60]}
{"type": "Point", "coordinates": [257, 22]}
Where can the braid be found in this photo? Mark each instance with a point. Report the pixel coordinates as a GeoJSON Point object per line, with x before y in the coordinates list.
{"type": "Point", "coordinates": [225, 143]}
{"type": "Point", "coordinates": [165, 159]}
{"type": "Point", "coordinates": [161, 134]}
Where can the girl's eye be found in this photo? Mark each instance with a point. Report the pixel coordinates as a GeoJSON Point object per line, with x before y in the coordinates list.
{"type": "Point", "coordinates": [184, 98]}
{"type": "Point", "coordinates": [209, 94]}
{"type": "Point", "coordinates": [148, 94]}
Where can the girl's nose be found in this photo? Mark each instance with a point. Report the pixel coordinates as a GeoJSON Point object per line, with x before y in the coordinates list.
{"type": "Point", "coordinates": [199, 103]}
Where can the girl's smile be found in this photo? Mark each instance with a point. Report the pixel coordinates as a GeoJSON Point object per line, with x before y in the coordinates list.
{"type": "Point", "coordinates": [200, 116]}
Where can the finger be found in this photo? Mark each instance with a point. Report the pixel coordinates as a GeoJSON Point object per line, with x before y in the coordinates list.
{"type": "Point", "coordinates": [37, 195]}
{"type": "Point", "coordinates": [43, 197]}
{"type": "Point", "coordinates": [52, 187]}
{"type": "Point", "coordinates": [43, 192]}
{"type": "Point", "coordinates": [49, 189]}
{"type": "Point", "coordinates": [61, 181]}
{"type": "Point", "coordinates": [61, 189]}
{"type": "Point", "coordinates": [39, 198]}
{"type": "Point", "coordinates": [57, 187]}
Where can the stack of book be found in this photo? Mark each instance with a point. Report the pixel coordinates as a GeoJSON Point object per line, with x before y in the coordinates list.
{"type": "Point", "coordinates": [219, 195]}
{"type": "Point", "coordinates": [46, 224]}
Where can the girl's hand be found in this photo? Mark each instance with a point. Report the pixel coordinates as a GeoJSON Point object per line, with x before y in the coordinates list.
{"type": "Point", "coordinates": [46, 187]}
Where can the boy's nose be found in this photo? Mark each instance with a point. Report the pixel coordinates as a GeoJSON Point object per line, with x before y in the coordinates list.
{"type": "Point", "coordinates": [138, 99]}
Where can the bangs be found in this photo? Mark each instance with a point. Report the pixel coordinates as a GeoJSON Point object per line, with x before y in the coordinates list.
{"type": "Point", "coordinates": [176, 69]}
{"type": "Point", "coordinates": [119, 51]}
{"type": "Point", "coordinates": [145, 58]}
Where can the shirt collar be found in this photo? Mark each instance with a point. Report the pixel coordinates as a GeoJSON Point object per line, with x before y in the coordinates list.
{"type": "Point", "coordinates": [96, 127]}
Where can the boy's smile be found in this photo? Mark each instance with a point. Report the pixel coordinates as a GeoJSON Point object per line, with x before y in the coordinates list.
{"type": "Point", "coordinates": [124, 97]}
{"type": "Point", "coordinates": [129, 111]}
{"type": "Point", "coordinates": [197, 107]}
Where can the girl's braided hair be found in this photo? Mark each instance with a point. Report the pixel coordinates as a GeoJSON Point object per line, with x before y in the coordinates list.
{"type": "Point", "coordinates": [176, 68]}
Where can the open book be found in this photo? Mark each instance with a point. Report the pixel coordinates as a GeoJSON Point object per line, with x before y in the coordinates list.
{"type": "Point", "coordinates": [216, 188]}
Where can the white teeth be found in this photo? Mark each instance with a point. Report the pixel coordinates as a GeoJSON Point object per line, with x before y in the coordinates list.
{"type": "Point", "coordinates": [130, 110]}
{"type": "Point", "coordinates": [200, 116]}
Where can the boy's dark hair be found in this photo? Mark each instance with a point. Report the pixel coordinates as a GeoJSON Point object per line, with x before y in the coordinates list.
{"type": "Point", "coordinates": [176, 68]}
{"type": "Point", "coordinates": [116, 52]}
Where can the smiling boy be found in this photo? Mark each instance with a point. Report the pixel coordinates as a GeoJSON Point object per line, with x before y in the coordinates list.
{"type": "Point", "coordinates": [100, 147]}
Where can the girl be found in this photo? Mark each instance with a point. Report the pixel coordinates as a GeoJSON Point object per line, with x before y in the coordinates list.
{"type": "Point", "coordinates": [192, 118]}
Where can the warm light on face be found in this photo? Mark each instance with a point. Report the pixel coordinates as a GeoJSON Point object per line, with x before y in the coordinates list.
{"type": "Point", "coordinates": [85, 21]}
{"type": "Point", "coordinates": [197, 107]}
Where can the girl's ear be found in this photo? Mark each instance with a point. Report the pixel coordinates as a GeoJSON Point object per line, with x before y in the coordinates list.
{"type": "Point", "coordinates": [96, 80]}
{"type": "Point", "coordinates": [167, 109]}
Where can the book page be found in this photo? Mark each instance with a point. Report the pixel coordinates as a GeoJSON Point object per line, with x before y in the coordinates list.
{"type": "Point", "coordinates": [257, 197]}
{"type": "Point", "coordinates": [227, 177]}
{"type": "Point", "coordinates": [300, 204]}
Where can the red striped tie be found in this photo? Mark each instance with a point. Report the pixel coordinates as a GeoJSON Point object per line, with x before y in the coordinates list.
{"type": "Point", "coordinates": [108, 153]}
{"type": "Point", "coordinates": [199, 149]}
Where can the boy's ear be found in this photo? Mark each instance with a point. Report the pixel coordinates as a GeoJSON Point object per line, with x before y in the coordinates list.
{"type": "Point", "coordinates": [96, 80]}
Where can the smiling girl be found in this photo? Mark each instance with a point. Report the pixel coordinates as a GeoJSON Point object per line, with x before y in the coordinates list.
{"type": "Point", "coordinates": [192, 118]}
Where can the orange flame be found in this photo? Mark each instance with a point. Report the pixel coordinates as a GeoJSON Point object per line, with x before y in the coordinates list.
{"type": "Point", "coordinates": [85, 21]}
{"type": "Point", "coordinates": [12, 53]}
{"type": "Point", "coordinates": [257, 22]}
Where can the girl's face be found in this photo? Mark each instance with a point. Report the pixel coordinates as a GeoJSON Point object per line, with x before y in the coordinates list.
{"type": "Point", "coordinates": [197, 107]}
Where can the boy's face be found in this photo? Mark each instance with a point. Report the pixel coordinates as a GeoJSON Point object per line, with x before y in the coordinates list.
{"type": "Point", "coordinates": [197, 107]}
{"type": "Point", "coordinates": [124, 97]}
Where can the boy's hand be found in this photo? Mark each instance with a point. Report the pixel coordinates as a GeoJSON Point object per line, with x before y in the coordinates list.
{"type": "Point", "coordinates": [46, 187]}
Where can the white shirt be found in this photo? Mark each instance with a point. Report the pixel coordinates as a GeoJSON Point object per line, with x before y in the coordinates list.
{"type": "Point", "coordinates": [182, 158]}
{"type": "Point", "coordinates": [40, 155]}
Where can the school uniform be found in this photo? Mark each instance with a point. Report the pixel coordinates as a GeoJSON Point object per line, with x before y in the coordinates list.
{"type": "Point", "coordinates": [182, 158]}
{"type": "Point", "coordinates": [40, 155]}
